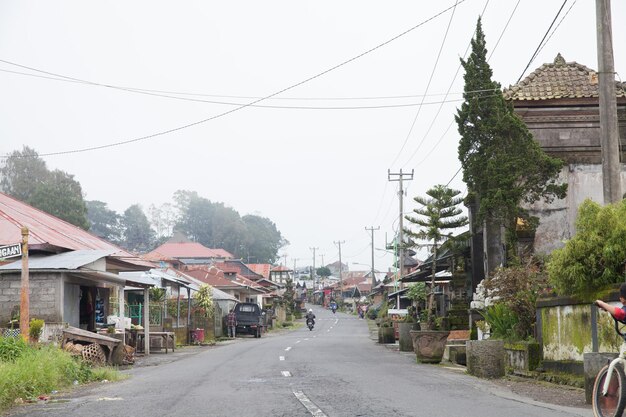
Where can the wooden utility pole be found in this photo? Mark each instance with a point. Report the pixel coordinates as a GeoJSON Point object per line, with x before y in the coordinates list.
{"type": "Point", "coordinates": [400, 177]}
{"type": "Point", "coordinates": [24, 297]}
{"type": "Point", "coordinates": [609, 134]}
{"type": "Point", "coordinates": [313, 271]}
{"type": "Point", "coordinates": [371, 229]}
{"type": "Point", "coordinates": [338, 243]}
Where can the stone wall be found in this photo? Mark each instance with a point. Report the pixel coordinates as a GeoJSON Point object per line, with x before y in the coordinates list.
{"type": "Point", "coordinates": [44, 296]}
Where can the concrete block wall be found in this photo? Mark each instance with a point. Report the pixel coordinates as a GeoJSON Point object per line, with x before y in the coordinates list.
{"type": "Point", "coordinates": [44, 296]}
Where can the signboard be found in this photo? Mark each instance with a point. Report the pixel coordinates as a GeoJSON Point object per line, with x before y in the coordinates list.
{"type": "Point", "coordinates": [10, 251]}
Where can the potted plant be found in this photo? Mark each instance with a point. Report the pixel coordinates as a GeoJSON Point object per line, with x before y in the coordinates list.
{"type": "Point", "coordinates": [438, 213]}
{"type": "Point", "coordinates": [386, 332]}
{"type": "Point", "coordinates": [404, 329]}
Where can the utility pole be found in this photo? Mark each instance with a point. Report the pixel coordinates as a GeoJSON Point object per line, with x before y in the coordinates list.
{"type": "Point", "coordinates": [313, 271]}
{"type": "Point", "coordinates": [371, 229]}
{"type": "Point", "coordinates": [285, 260]}
{"type": "Point", "coordinates": [294, 266]}
{"type": "Point", "coordinates": [338, 243]}
{"type": "Point", "coordinates": [400, 177]}
{"type": "Point", "coordinates": [609, 134]}
{"type": "Point", "coordinates": [24, 297]}
{"type": "Point", "coordinates": [322, 256]}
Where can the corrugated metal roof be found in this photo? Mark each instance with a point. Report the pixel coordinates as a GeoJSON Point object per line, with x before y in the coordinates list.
{"type": "Point", "coordinates": [67, 260]}
{"type": "Point", "coordinates": [186, 250]}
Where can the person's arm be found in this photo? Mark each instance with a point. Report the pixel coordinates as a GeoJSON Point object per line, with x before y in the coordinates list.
{"type": "Point", "coordinates": [615, 311]}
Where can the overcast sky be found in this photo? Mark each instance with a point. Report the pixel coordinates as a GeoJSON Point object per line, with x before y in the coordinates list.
{"type": "Point", "coordinates": [316, 161]}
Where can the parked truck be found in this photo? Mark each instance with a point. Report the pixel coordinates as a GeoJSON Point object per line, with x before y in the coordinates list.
{"type": "Point", "coordinates": [249, 317]}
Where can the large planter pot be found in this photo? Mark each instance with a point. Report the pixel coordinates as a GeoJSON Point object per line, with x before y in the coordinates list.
{"type": "Point", "coordinates": [429, 344]}
{"type": "Point", "coordinates": [386, 335]}
{"type": "Point", "coordinates": [485, 358]}
{"type": "Point", "coordinates": [405, 339]}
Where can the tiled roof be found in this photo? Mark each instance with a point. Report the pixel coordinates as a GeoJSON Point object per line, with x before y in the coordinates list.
{"type": "Point", "coordinates": [170, 250]}
{"type": "Point", "coordinates": [281, 268]}
{"type": "Point", "coordinates": [261, 269]}
{"type": "Point", "coordinates": [559, 80]}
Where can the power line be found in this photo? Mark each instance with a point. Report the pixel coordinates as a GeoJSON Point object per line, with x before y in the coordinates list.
{"type": "Point", "coordinates": [173, 94]}
{"type": "Point", "coordinates": [430, 79]}
{"type": "Point", "coordinates": [318, 75]}
{"type": "Point", "coordinates": [503, 30]}
{"type": "Point", "coordinates": [532, 58]}
{"type": "Point", "coordinates": [557, 27]}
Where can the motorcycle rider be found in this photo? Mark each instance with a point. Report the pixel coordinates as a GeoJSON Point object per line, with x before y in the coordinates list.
{"type": "Point", "coordinates": [310, 317]}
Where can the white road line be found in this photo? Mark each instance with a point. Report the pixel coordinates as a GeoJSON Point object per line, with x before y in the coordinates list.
{"type": "Point", "coordinates": [328, 330]}
{"type": "Point", "coordinates": [285, 373]}
{"type": "Point", "coordinates": [288, 349]}
{"type": "Point", "coordinates": [299, 341]}
{"type": "Point", "coordinates": [306, 338]}
{"type": "Point", "coordinates": [309, 405]}
{"type": "Point", "coordinates": [281, 358]}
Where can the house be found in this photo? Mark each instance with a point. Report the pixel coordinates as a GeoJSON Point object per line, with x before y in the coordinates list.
{"type": "Point", "coordinates": [180, 252]}
{"type": "Point", "coordinates": [74, 276]}
{"type": "Point", "coordinates": [241, 288]}
{"type": "Point", "coordinates": [559, 104]}
{"type": "Point", "coordinates": [280, 274]}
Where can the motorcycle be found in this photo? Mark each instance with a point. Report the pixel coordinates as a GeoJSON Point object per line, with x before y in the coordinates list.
{"type": "Point", "coordinates": [310, 324]}
{"type": "Point", "coordinates": [334, 309]}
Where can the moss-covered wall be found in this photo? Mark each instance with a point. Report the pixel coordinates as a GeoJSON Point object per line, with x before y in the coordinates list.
{"type": "Point", "coordinates": [566, 332]}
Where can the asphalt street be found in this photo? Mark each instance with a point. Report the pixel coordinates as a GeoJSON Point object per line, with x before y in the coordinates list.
{"type": "Point", "coordinates": [334, 370]}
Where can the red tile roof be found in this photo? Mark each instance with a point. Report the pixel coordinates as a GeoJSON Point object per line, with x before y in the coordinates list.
{"type": "Point", "coordinates": [172, 250]}
{"type": "Point", "coordinates": [281, 268]}
{"type": "Point", "coordinates": [50, 233]}
{"type": "Point", "coordinates": [261, 269]}
{"type": "Point", "coordinates": [560, 80]}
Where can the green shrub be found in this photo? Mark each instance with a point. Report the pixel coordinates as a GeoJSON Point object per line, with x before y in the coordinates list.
{"type": "Point", "coordinates": [12, 348]}
{"type": "Point", "coordinates": [35, 328]}
{"type": "Point", "coordinates": [595, 256]}
{"type": "Point", "coordinates": [501, 320]}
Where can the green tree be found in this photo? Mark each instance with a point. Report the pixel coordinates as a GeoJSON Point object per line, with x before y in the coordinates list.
{"type": "Point", "coordinates": [596, 255]}
{"type": "Point", "coordinates": [104, 222]}
{"type": "Point", "coordinates": [138, 236]}
{"type": "Point", "coordinates": [323, 271]}
{"type": "Point", "coordinates": [503, 166]}
{"type": "Point", "coordinates": [436, 217]}
{"type": "Point", "coordinates": [21, 174]}
{"type": "Point", "coordinates": [62, 196]}
{"type": "Point", "coordinates": [263, 240]}
{"type": "Point", "coordinates": [26, 178]}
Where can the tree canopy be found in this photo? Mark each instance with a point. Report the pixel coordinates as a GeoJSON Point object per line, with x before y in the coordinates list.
{"type": "Point", "coordinates": [26, 177]}
{"type": "Point", "coordinates": [138, 236]}
{"type": "Point", "coordinates": [503, 165]}
{"type": "Point", "coordinates": [596, 255]}
{"type": "Point", "coordinates": [104, 222]}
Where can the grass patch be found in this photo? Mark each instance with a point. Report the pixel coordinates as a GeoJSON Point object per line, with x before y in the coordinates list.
{"type": "Point", "coordinates": [39, 370]}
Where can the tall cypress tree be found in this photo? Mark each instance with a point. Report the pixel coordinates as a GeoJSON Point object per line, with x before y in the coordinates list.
{"type": "Point", "coordinates": [503, 165]}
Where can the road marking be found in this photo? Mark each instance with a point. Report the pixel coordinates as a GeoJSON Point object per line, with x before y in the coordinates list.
{"type": "Point", "coordinates": [309, 405]}
{"type": "Point", "coordinates": [281, 358]}
{"type": "Point", "coordinates": [288, 349]}
{"type": "Point", "coordinates": [285, 373]}
{"type": "Point", "coordinates": [306, 338]}
{"type": "Point", "coordinates": [328, 330]}
{"type": "Point", "coordinates": [299, 341]}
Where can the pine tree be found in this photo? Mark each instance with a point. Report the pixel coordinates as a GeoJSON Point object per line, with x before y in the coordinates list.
{"type": "Point", "coordinates": [437, 217]}
{"type": "Point", "coordinates": [503, 165]}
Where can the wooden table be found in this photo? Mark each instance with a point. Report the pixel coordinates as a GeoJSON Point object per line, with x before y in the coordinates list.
{"type": "Point", "coordinates": [168, 337]}
{"type": "Point", "coordinates": [74, 334]}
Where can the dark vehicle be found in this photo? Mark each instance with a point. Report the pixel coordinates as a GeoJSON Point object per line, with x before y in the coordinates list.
{"type": "Point", "coordinates": [248, 318]}
{"type": "Point", "coordinates": [309, 323]}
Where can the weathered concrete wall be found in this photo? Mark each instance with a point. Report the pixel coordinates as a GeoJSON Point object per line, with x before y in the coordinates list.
{"type": "Point", "coordinates": [558, 219]}
{"type": "Point", "coordinates": [522, 356]}
{"type": "Point", "coordinates": [485, 358]}
{"type": "Point", "coordinates": [44, 300]}
{"type": "Point", "coordinates": [567, 330]}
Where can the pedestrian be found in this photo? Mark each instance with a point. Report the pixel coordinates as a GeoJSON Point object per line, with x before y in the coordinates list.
{"type": "Point", "coordinates": [231, 323]}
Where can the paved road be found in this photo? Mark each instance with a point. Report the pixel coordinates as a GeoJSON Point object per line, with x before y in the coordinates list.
{"type": "Point", "coordinates": [334, 370]}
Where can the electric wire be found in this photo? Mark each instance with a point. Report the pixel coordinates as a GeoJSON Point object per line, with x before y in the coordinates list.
{"type": "Point", "coordinates": [198, 122]}
{"type": "Point", "coordinates": [430, 79]}
{"type": "Point", "coordinates": [534, 55]}
{"type": "Point", "coordinates": [557, 27]}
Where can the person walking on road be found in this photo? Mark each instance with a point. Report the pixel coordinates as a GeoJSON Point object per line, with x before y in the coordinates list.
{"type": "Point", "coordinates": [231, 323]}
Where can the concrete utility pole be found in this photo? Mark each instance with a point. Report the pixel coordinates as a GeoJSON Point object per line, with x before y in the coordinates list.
{"type": "Point", "coordinates": [400, 177]}
{"type": "Point", "coordinates": [338, 243]}
{"type": "Point", "coordinates": [285, 260]}
{"type": "Point", "coordinates": [313, 271]}
{"type": "Point", "coordinates": [609, 134]}
{"type": "Point", "coordinates": [371, 229]}
{"type": "Point", "coordinates": [322, 256]}
{"type": "Point", "coordinates": [24, 296]}
{"type": "Point", "coordinates": [294, 266]}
